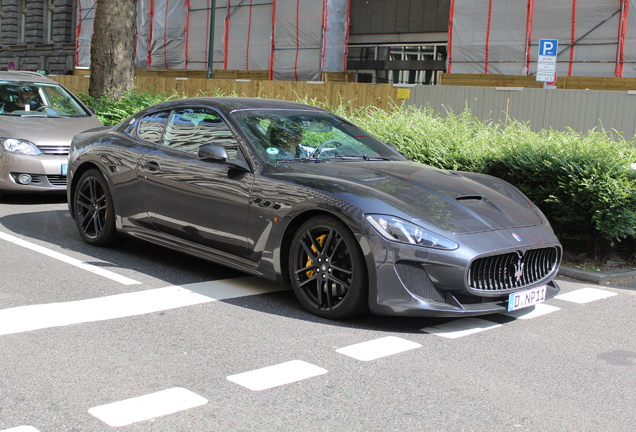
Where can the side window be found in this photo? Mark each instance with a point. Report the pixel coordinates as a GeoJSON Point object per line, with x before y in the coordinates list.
{"type": "Point", "coordinates": [150, 128]}
{"type": "Point", "coordinates": [190, 128]}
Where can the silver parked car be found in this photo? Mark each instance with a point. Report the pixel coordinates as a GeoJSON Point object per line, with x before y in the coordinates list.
{"type": "Point", "coordinates": [38, 118]}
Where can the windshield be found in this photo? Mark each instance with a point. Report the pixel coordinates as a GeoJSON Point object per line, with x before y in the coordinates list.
{"type": "Point", "coordinates": [41, 99]}
{"type": "Point", "coordinates": [292, 136]}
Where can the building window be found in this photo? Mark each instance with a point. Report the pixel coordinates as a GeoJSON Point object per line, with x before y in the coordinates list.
{"type": "Point", "coordinates": [49, 21]}
{"type": "Point", "coordinates": [397, 64]}
{"type": "Point", "coordinates": [23, 21]}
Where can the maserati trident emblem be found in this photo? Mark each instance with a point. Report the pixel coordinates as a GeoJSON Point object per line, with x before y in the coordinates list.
{"type": "Point", "coordinates": [519, 267]}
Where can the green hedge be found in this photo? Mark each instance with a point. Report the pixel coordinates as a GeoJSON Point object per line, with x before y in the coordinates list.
{"type": "Point", "coordinates": [110, 112]}
{"type": "Point", "coordinates": [583, 183]}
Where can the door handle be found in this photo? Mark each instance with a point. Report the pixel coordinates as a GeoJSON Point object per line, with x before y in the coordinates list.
{"type": "Point", "coordinates": [152, 166]}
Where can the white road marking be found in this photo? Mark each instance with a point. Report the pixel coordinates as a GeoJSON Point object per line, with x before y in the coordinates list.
{"type": "Point", "coordinates": [378, 348]}
{"type": "Point", "coordinates": [67, 259]}
{"type": "Point", "coordinates": [585, 295]}
{"type": "Point", "coordinates": [529, 313]}
{"type": "Point", "coordinates": [277, 375]}
{"type": "Point", "coordinates": [147, 407]}
{"type": "Point", "coordinates": [35, 317]}
{"type": "Point", "coordinates": [21, 429]}
{"type": "Point", "coordinates": [461, 327]}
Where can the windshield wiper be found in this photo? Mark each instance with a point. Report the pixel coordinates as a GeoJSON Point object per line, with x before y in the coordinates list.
{"type": "Point", "coordinates": [314, 160]}
{"type": "Point", "coordinates": [363, 157]}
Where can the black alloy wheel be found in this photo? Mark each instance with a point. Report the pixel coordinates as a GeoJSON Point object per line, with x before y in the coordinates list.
{"type": "Point", "coordinates": [93, 209]}
{"type": "Point", "coordinates": [327, 269]}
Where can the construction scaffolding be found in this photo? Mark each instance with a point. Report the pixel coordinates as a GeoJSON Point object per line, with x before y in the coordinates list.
{"type": "Point", "coordinates": [292, 39]}
{"type": "Point", "coordinates": [596, 37]}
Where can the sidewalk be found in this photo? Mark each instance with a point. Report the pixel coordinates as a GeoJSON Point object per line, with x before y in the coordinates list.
{"type": "Point", "coordinates": [618, 277]}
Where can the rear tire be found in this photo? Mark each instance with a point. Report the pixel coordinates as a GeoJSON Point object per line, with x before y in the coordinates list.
{"type": "Point", "coordinates": [93, 209]}
{"type": "Point", "coordinates": [327, 269]}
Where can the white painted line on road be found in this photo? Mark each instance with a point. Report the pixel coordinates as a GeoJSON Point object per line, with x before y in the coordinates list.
{"type": "Point", "coordinates": [35, 317]}
{"type": "Point", "coordinates": [529, 313]}
{"type": "Point", "coordinates": [378, 348]}
{"type": "Point", "coordinates": [461, 327]}
{"type": "Point", "coordinates": [585, 295]}
{"type": "Point", "coordinates": [67, 259]}
{"type": "Point", "coordinates": [147, 407]}
{"type": "Point", "coordinates": [277, 375]}
{"type": "Point", "coordinates": [21, 429]}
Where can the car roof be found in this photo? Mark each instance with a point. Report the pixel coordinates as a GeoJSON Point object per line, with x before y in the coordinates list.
{"type": "Point", "coordinates": [24, 76]}
{"type": "Point", "coordinates": [229, 104]}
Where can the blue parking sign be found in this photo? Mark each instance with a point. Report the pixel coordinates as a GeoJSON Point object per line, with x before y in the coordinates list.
{"type": "Point", "coordinates": [548, 47]}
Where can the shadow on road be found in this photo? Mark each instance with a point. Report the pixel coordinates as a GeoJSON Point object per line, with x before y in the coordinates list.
{"type": "Point", "coordinates": [57, 230]}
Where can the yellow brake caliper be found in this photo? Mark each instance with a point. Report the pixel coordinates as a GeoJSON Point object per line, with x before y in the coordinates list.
{"type": "Point", "coordinates": [321, 241]}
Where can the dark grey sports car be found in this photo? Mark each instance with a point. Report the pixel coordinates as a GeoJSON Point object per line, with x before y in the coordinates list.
{"type": "Point", "coordinates": [300, 196]}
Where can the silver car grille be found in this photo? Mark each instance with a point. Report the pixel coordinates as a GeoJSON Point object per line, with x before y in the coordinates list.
{"type": "Point", "coordinates": [48, 180]}
{"type": "Point", "coordinates": [513, 271]}
{"type": "Point", "coordinates": [53, 149]}
{"type": "Point", "coordinates": [57, 180]}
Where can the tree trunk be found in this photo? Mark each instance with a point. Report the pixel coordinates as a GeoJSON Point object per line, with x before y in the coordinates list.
{"type": "Point", "coordinates": [112, 48]}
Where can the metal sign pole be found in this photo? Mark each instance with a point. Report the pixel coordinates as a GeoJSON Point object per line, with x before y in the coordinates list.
{"type": "Point", "coordinates": [211, 38]}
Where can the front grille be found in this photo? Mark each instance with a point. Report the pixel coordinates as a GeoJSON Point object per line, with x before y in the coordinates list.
{"type": "Point", "coordinates": [53, 149]}
{"type": "Point", "coordinates": [57, 180]}
{"type": "Point", "coordinates": [512, 271]}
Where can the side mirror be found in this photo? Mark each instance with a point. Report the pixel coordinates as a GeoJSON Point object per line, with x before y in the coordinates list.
{"type": "Point", "coordinates": [219, 154]}
{"type": "Point", "coordinates": [213, 153]}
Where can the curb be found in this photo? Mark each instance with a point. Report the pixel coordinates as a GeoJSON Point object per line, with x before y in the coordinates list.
{"type": "Point", "coordinates": [599, 278]}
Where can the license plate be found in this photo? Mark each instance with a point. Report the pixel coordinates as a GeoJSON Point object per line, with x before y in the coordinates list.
{"type": "Point", "coordinates": [523, 299]}
{"type": "Point", "coordinates": [63, 169]}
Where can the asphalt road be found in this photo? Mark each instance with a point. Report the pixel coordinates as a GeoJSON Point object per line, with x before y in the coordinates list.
{"type": "Point", "coordinates": [138, 338]}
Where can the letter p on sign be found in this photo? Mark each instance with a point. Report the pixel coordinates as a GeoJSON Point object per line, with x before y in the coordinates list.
{"type": "Point", "coordinates": [548, 47]}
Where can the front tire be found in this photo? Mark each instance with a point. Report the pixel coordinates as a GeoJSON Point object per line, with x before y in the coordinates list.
{"type": "Point", "coordinates": [327, 269]}
{"type": "Point", "coordinates": [93, 209]}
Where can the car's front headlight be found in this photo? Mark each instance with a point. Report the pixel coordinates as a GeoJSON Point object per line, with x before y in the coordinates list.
{"type": "Point", "coordinates": [20, 146]}
{"type": "Point", "coordinates": [396, 229]}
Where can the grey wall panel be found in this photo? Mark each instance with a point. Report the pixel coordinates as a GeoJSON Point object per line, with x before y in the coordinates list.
{"type": "Point", "coordinates": [403, 8]}
{"type": "Point", "coordinates": [443, 15]}
{"type": "Point", "coordinates": [360, 16]}
{"type": "Point", "coordinates": [388, 18]}
{"type": "Point", "coordinates": [399, 16]}
{"type": "Point", "coordinates": [580, 110]}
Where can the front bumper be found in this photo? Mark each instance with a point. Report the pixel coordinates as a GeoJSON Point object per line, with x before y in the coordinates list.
{"type": "Point", "coordinates": [414, 281]}
{"type": "Point", "coordinates": [48, 172]}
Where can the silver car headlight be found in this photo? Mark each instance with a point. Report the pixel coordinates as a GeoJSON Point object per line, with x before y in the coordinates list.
{"type": "Point", "coordinates": [396, 229]}
{"type": "Point", "coordinates": [19, 146]}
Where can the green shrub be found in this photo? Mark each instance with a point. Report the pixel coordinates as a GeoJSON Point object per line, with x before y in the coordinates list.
{"type": "Point", "coordinates": [111, 112]}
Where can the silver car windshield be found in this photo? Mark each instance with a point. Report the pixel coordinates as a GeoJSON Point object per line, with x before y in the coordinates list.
{"type": "Point", "coordinates": [37, 99]}
{"type": "Point", "coordinates": [291, 136]}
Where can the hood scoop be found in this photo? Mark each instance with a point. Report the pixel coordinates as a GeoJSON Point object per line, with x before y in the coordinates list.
{"type": "Point", "coordinates": [469, 198]}
{"type": "Point", "coordinates": [486, 210]}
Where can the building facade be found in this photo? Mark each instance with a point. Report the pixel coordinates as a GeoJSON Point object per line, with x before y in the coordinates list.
{"type": "Point", "coordinates": [37, 35]}
{"type": "Point", "coordinates": [395, 41]}
{"type": "Point", "coordinates": [398, 41]}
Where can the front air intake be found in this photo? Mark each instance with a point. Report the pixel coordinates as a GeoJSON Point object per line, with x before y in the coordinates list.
{"type": "Point", "coordinates": [416, 280]}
